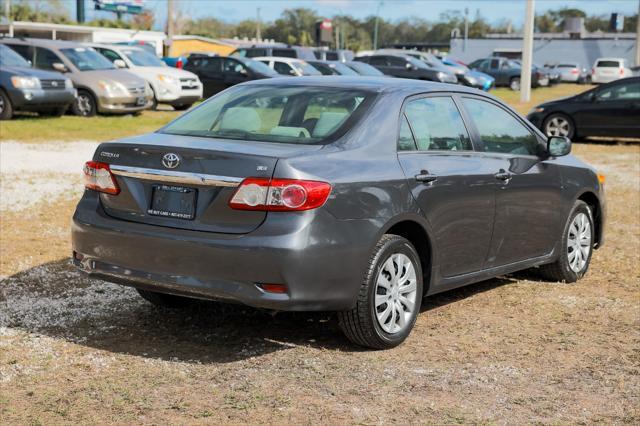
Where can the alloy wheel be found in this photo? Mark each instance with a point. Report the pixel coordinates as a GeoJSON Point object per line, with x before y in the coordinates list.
{"type": "Point", "coordinates": [395, 295]}
{"type": "Point", "coordinates": [1, 105]}
{"type": "Point", "coordinates": [558, 126]}
{"type": "Point", "coordinates": [84, 104]}
{"type": "Point", "coordinates": [579, 242]}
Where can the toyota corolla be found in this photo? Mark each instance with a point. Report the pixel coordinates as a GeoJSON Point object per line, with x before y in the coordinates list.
{"type": "Point", "coordinates": [355, 195]}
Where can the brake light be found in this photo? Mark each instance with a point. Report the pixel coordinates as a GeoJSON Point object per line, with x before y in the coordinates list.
{"type": "Point", "coordinates": [593, 71]}
{"type": "Point", "coordinates": [621, 72]}
{"type": "Point", "coordinates": [98, 177]}
{"type": "Point", "coordinates": [179, 64]}
{"type": "Point", "coordinates": [280, 194]}
{"type": "Point", "coordinates": [575, 71]}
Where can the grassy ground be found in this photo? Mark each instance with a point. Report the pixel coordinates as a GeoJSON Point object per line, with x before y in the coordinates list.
{"type": "Point", "coordinates": [102, 128]}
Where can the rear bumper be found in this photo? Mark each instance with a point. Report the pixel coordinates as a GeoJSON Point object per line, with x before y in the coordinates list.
{"type": "Point", "coordinates": [320, 259]}
{"type": "Point", "coordinates": [33, 100]}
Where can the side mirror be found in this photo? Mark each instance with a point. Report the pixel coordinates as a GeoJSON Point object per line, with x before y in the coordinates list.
{"type": "Point", "coordinates": [60, 67]}
{"type": "Point", "coordinates": [557, 146]}
{"type": "Point", "coordinates": [119, 63]}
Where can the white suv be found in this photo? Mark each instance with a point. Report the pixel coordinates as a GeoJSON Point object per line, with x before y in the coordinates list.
{"type": "Point", "coordinates": [288, 66]}
{"type": "Point", "coordinates": [173, 86]}
{"type": "Point", "coordinates": [608, 69]}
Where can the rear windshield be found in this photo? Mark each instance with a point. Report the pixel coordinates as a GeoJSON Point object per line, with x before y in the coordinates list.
{"type": "Point", "coordinates": [275, 113]}
{"type": "Point", "coordinates": [608, 64]}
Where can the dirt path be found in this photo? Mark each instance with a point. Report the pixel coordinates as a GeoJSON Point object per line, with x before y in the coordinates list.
{"type": "Point", "coordinates": [509, 350]}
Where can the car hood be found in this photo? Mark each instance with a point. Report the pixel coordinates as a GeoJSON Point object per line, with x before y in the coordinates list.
{"type": "Point", "coordinates": [170, 71]}
{"type": "Point", "coordinates": [32, 72]}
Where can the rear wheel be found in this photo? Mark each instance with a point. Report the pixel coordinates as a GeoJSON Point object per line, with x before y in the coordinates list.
{"type": "Point", "coordinates": [577, 247]}
{"type": "Point", "coordinates": [389, 298]}
{"type": "Point", "coordinates": [559, 125]}
{"type": "Point", "coordinates": [514, 83]}
{"type": "Point", "coordinates": [6, 109]}
{"type": "Point", "coordinates": [84, 105]}
{"type": "Point", "coordinates": [165, 300]}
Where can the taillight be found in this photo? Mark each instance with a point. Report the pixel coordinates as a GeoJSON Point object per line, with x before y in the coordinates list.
{"type": "Point", "coordinates": [179, 64]}
{"type": "Point", "coordinates": [575, 71]}
{"type": "Point", "coordinates": [98, 176]}
{"type": "Point", "coordinates": [621, 72]}
{"type": "Point", "coordinates": [279, 194]}
{"type": "Point", "coordinates": [593, 71]}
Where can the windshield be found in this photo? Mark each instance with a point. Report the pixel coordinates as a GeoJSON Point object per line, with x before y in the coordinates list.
{"type": "Point", "coordinates": [306, 68]}
{"type": "Point", "coordinates": [608, 64]}
{"type": "Point", "coordinates": [87, 59]}
{"type": "Point", "coordinates": [259, 67]}
{"type": "Point", "coordinates": [9, 58]}
{"type": "Point", "coordinates": [365, 69]}
{"type": "Point", "coordinates": [142, 58]}
{"type": "Point", "coordinates": [275, 113]}
{"type": "Point", "coordinates": [416, 62]}
{"type": "Point", "coordinates": [342, 69]}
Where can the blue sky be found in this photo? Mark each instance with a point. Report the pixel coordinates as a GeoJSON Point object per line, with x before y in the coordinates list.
{"type": "Point", "coordinates": [493, 10]}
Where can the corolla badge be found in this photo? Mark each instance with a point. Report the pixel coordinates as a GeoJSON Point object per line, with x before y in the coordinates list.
{"type": "Point", "coordinates": [170, 160]}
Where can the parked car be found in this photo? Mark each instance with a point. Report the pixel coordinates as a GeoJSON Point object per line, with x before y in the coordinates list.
{"type": "Point", "coordinates": [175, 61]}
{"type": "Point", "coordinates": [612, 109]}
{"type": "Point", "coordinates": [332, 68]}
{"type": "Point", "coordinates": [23, 88]}
{"type": "Point", "coordinates": [364, 69]}
{"type": "Point", "coordinates": [176, 87]}
{"type": "Point", "coordinates": [101, 86]}
{"type": "Point", "coordinates": [284, 51]}
{"type": "Point", "coordinates": [609, 69]}
{"type": "Point", "coordinates": [469, 77]}
{"type": "Point", "coordinates": [147, 46]}
{"type": "Point", "coordinates": [405, 66]}
{"type": "Point", "coordinates": [431, 60]}
{"type": "Point", "coordinates": [218, 72]}
{"type": "Point", "coordinates": [507, 72]}
{"type": "Point", "coordinates": [572, 72]}
{"type": "Point", "coordinates": [358, 195]}
{"type": "Point", "coordinates": [341, 55]}
{"type": "Point", "coordinates": [289, 66]}
{"type": "Point", "coordinates": [549, 75]}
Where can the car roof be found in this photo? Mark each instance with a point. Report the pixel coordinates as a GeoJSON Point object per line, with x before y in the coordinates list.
{"type": "Point", "coordinates": [277, 58]}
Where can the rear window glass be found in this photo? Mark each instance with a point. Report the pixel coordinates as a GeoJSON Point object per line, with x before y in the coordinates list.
{"type": "Point", "coordinates": [608, 64]}
{"type": "Point", "coordinates": [285, 53]}
{"type": "Point", "coordinates": [302, 114]}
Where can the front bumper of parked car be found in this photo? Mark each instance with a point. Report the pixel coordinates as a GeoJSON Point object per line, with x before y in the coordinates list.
{"type": "Point", "coordinates": [178, 94]}
{"type": "Point", "coordinates": [319, 273]}
{"type": "Point", "coordinates": [35, 99]}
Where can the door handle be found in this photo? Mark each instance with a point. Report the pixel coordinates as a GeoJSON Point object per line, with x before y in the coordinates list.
{"type": "Point", "coordinates": [503, 176]}
{"type": "Point", "coordinates": [426, 177]}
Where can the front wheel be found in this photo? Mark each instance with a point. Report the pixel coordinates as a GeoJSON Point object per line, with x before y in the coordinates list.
{"type": "Point", "coordinates": [559, 125]}
{"type": "Point", "coordinates": [577, 247]}
{"type": "Point", "coordinates": [514, 84]}
{"type": "Point", "coordinates": [84, 105]}
{"type": "Point", "coordinates": [389, 298]}
{"type": "Point", "coordinates": [6, 109]}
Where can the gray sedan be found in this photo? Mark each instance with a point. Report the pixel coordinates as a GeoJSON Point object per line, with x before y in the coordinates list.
{"type": "Point", "coordinates": [350, 194]}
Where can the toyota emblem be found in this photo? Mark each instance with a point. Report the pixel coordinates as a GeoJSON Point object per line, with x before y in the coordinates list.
{"type": "Point", "coordinates": [170, 160]}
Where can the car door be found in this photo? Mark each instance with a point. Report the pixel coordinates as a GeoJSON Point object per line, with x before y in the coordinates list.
{"type": "Point", "coordinates": [210, 73]}
{"type": "Point", "coordinates": [613, 110]}
{"type": "Point", "coordinates": [45, 58]}
{"type": "Point", "coordinates": [234, 72]}
{"type": "Point", "coordinates": [452, 184]}
{"type": "Point", "coordinates": [381, 63]}
{"type": "Point", "coordinates": [528, 220]}
{"type": "Point", "coordinates": [495, 70]}
{"type": "Point", "coordinates": [400, 67]}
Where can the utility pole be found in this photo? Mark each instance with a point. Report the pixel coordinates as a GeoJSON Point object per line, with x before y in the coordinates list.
{"type": "Point", "coordinates": [7, 9]}
{"type": "Point", "coordinates": [258, 34]}
{"type": "Point", "coordinates": [638, 36]}
{"type": "Point", "coordinates": [527, 53]}
{"type": "Point", "coordinates": [375, 28]}
{"type": "Point", "coordinates": [80, 11]}
{"type": "Point", "coordinates": [466, 28]}
{"type": "Point", "coordinates": [169, 26]}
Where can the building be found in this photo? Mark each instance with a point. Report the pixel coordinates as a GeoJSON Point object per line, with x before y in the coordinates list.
{"type": "Point", "coordinates": [81, 33]}
{"type": "Point", "coordinates": [182, 45]}
{"type": "Point", "coordinates": [549, 48]}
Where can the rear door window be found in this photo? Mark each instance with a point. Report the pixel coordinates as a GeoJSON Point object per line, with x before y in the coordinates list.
{"type": "Point", "coordinates": [285, 53]}
{"type": "Point", "coordinates": [380, 61]}
{"type": "Point", "coordinates": [405, 137]}
{"type": "Point", "coordinates": [500, 131]}
{"type": "Point", "coordinates": [437, 125]}
{"type": "Point", "coordinates": [283, 68]}
{"type": "Point", "coordinates": [396, 62]}
{"type": "Point", "coordinates": [45, 59]}
{"type": "Point", "coordinates": [212, 65]}
{"type": "Point", "coordinates": [24, 51]}
{"type": "Point", "coordinates": [254, 53]}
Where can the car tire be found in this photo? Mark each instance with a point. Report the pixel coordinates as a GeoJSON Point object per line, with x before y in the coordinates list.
{"type": "Point", "coordinates": [568, 268]}
{"type": "Point", "coordinates": [6, 108]}
{"type": "Point", "coordinates": [84, 105]}
{"type": "Point", "coordinates": [371, 325]}
{"type": "Point", "coordinates": [514, 84]}
{"type": "Point", "coordinates": [559, 125]}
{"type": "Point", "coordinates": [182, 107]}
{"type": "Point", "coordinates": [165, 300]}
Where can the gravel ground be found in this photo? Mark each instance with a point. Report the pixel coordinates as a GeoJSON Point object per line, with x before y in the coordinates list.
{"type": "Point", "coordinates": [510, 350]}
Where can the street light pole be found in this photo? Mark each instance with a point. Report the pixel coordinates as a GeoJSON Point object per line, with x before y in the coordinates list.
{"type": "Point", "coordinates": [638, 36]}
{"type": "Point", "coordinates": [258, 34]}
{"type": "Point", "coordinates": [375, 28]}
{"type": "Point", "coordinates": [527, 53]}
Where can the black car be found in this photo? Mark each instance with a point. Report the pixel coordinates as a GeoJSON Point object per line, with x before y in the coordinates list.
{"type": "Point", "coordinates": [23, 88]}
{"type": "Point", "coordinates": [507, 72]}
{"type": "Point", "coordinates": [332, 68]}
{"type": "Point", "coordinates": [612, 109]}
{"type": "Point", "coordinates": [217, 73]}
{"type": "Point", "coordinates": [404, 66]}
{"type": "Point", "coordinates": [358, 195]}
{"type": "Point", "coordinates": [256, 51]}
{"type": "Point", "coordinates": [364, 69]}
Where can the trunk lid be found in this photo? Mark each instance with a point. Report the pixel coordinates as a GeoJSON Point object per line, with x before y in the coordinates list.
{"type": "Point", "coordinates": [191, 189]}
